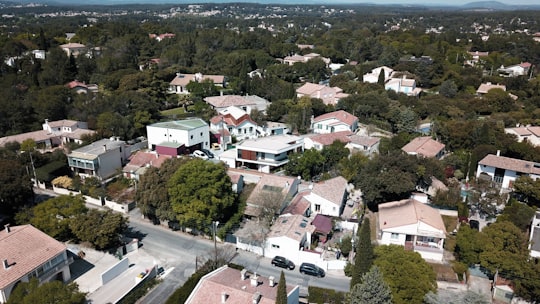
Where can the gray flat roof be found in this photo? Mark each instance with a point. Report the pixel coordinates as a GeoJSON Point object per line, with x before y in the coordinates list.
{"type": "Point", "coordinates": [186, 124]}
{"type": "Point", "coordinates": [96, 148]}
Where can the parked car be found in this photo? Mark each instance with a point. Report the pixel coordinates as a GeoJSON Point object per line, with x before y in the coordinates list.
{"type": "Point", "coordinates": [282, 262]}
{"type": "Point", "coordinates": [216, 146]}
{"type": "Point", "coordinates": [208, 153]}
{"type": "Point", "coordinates": [199, 154]}
{"type": "Point", "coordinates": [312, 269]}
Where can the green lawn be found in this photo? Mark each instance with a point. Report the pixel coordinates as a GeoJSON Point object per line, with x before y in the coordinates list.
{"type": "Point", "coordinates": [172, 112]}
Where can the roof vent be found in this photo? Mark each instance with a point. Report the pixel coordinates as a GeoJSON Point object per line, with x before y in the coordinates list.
{"type": "Point", "coordinates": [256, 297]}
{"type": "Point", "coordinates": [5, 263]}
{"type": "Point", "coordinates": [243, 274]}
{"type": "Point", "coordinates": [271, 281]}
{"type": "Point", "coordinates": [254, 281]}
{"type": "Point", "coordinates": [8, 229]}
{"type": "Point", "coordinates": [224, 297]}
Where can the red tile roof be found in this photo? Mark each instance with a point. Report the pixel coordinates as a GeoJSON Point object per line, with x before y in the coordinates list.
{"type": "Point", "coordinates": [227, 281]}
{"type": "Point", "coordinates": [328, 138]}
{"type": "Point", "coordinates": [340, 115]}
{"type": "Point", "coordinates": [332, 189]}
{"type": "Point", "coordinates": [409, 212]}
{"type": "Point", "coordinates": [424, 146]}
{"type": "Point", "coordinates": [322, 223]}
{"type": "Point", "coordinates": [513, 164]}
{"type": "Point", "coordinates": [25, 248]}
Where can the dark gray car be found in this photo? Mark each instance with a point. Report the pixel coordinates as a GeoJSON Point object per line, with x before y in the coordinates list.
{"type": "Point", "coordinates": [282, 262]}
{"type": "Point", "coordinates": [312, 269]}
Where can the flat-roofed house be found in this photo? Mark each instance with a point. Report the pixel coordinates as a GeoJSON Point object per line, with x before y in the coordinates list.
{"type": "Point", "coordinates": [180, 81]}
{"type": "Point", "coordinates": [267, 153]}
{"type": "Point", "coordinates": [178, 137]}
{"type": "Point", "coordinates": [505, 170]}
{"type": "Point", "coordinates": [414, 225]}
{"type": "Point", "coordinates": [228, 285]}
{"type": "Point", "coordinates": [424, 146]}
{"type": "Point", "coordinates": [288, 236]}
{"type": "Point", "coordinates": [101, 159]}
{"type": "Point", "coordinates": [26, 252]}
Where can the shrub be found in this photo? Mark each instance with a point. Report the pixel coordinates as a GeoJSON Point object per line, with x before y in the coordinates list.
{"type": "Point", "coordinates": [322, 295]}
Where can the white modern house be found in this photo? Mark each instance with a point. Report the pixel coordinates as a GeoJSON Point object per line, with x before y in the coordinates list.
{"type": "Point", "coordinates": [289, 235]}
{"type": "Point", "coordinates": [265, 153]}
{"type": "Point", "coordinates": [414, 225]}
{"type": "Point", "coordinates": [101, 159]}
{"type": "Point", "coordinates": [505, 170]}
{"type": "Point", "coordinates": [373, 76]}
{"type": "Point", "coordinates": [534, 238]}
{"type": "Point", "coordinates": [178, 137]}
{"type": "Point", "coordinates": [26, 253]}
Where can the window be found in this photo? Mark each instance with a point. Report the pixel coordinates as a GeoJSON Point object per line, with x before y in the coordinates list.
{"type": "Point", "coordinates": [201, 133]}
{"type": "Point", "coordinates": [275, 246]}
{"type": "Point", "coordinates": [394, 236]}
{"type": "Point", "coordinates": [191, 137]}
{"type": "Point", "coordinates": [317, 208]}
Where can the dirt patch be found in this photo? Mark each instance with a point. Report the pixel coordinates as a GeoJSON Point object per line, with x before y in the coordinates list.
{"type": "Point", "coordinates": [444, 273]}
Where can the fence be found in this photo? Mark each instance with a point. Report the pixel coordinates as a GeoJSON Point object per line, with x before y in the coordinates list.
{"type": "Point", "coordinates": [118, 207]}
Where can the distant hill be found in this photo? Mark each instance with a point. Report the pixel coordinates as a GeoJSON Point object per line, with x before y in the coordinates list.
{"type": "Point", "coordinates": [488, 4]}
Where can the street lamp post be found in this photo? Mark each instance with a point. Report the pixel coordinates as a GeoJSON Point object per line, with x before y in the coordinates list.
{"type": "Point", "coordinates": [214, 229]}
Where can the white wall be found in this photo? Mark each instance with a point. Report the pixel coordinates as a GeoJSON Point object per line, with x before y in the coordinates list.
{"type": "Point", "coordinates": [157, 135]}
{"type": "Point", "coordinates": [327, 207]}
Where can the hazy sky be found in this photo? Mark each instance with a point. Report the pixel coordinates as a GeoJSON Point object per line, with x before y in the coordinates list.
{"type": "Point", "coordinates": [439, 2]}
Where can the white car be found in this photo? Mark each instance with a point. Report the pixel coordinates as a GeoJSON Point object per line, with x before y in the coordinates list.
{"type": "Point", "coordinates": [199, 154]}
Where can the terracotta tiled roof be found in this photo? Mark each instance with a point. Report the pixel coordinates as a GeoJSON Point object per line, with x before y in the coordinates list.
{"type": "Point", "coordinates": [513, 164]}
{"type": "Point", "coordinates": [227, 101]}
{"type": "Point", "coordinates": [309, 88]}
{"type": "Point", "coordinates": [424, 146]}
{"type": "Point", "coordinates": [328, 138]}
{"type": "Point", "coordinates": [268, 185]}
{"type": "Point", "coordinates": [227, 281]}
{"type": "Point", "coordinates": [235, 178]}
{"type": "Point", "coordinates": [37, 136]}
{"type": "Point", "coordinates": [366, 141]}
{"type": "Point", "coordinates": [184, 79]}
{"type": "Point", "coordinates": [293, 226]}
{"type": "Point", "coordinates": [340, 115]}
{"type": "Point", "coordinates": [322, 223]}
{"type": "Point", "coordinates": [524, 131]}
{"type": "Point", "coordinates": [486, 87]}
{"type": "Point", "coordinates": [72, 45]}
{"type": "Point", "coordinates": [409, 212]}
{"type": "Point", "coordinates": [25, 248]}
{"type": "Point", "coordinates": [299, 204]}
{"type": "Point", "coordinates": [141, 159]}
{"type": "Point", "coordinates": [333, 189]}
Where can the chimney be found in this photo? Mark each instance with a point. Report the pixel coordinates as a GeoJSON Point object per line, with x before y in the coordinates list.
{"type": "Point", "coordinates": [5, 263]}
{"type": "Point", "coordinates": [224, 297]}
{"type": "Point", "coordinates": [254, 281]}
{"type": "Point", "coordinates": [104, 148]}
{"type": "Point", "coordinates": [8, 230]}
{"type": "Point", "coordinates": [271, 281]}
{"type": "Point", "coordinates": [498, 152]}
{"type": "Point", "coordinates": [256, 297]}
{"type": "Point", "coordinates": [243, 274]}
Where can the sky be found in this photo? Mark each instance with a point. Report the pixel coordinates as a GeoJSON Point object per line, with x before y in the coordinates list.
{"type": "Point", "coordinates": [328, 2]}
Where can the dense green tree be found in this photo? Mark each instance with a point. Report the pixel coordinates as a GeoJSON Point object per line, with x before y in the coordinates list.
{"type": "Point", "coordinates": [200, 192]}
{"type": "Point", "coordinates": [102, 229]}
{"type": "Point", "coordinates": [448, 89]}
{"type": "Point", "coordinates": [152, 196]}
{"type": "Point", "coordinates": [363, 260]}
{"type": "Point", "coordinates": [307, 164]}
{"type": "Point", "coordinates": [528, 188]}
{"type": "Point", "coordinates": [333, 154]}
{"type": "Point", "coordinates": [517, 213]}
{"type": "Point", "coordinates": [350, 166]}
{"type": "Point", "coordinates": [202, 89]}
{"type": "Point", "coordinates": [54, 215]}
{"type": "Point", "coordinates": [372, 289]}
{"type": "Point", "coordinates": [409, 276]}
{"type": "Point", "coordinates": [50, 292]}
{"type": "Point", "coordinates": [281, 297]}
{"type": "Point", "coordinates": [468, 245]}
{"type": "Point", "coordinates": [16, 190]}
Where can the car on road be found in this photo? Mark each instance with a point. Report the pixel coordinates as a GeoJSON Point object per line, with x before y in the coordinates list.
{"type": "Point", "coordinates": [216, 146]}
{"type": "Point", "coordinates": [199, 154]}
{"type": "Point", "coordinates": [312, 269]}
{"type": "Point", "coordinates": [208, 153]}
{"type": "Point", "coordinates": [282, 262]}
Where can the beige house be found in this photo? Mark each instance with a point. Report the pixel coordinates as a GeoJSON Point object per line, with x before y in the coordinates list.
{"type": "Point", "coordinates": [180, 81]}
{"type": "Point", "coordinates": [424, 146]}
{"type": "Point", "coordinates": [329, 95]}
{"type": "Point", "coordinates": [26, 253]}
{"type": "Point", "coordinates": [414, 225]}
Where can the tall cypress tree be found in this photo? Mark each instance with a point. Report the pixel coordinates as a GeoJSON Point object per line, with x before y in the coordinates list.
{"type": "Point", "coordinates": [281, 297]}
{"type": "Point", "coordinates": [364, 253]}
{"type": "Point", "coordinates": [382, 78]}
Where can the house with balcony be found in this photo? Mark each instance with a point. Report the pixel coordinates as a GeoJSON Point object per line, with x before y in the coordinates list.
{"type": "Point", "coordinates": [236, 121]}
{"type": "Point", "coordinates": [265, 154]}
{"type": "Point", "coordinates": [53, 134]}
{"type": "Point", "coordinates": [505, 170]}
{"type": "Point", "coordinates": [414, 225]}
{"type": "Point", "coordinates": [26, 253]}
{"type": "Point", "coordinates": [424, 146]}
{"type": "Point", "coordinates": [102, 159]}
{"type": "Point", "coordinates": [178, 137]}
{"type": "Point", "coordinates": [179, 84]}
{"type": "Point", "coordinates": [228, 285]}
{"type": "Point", "coordinates": [329, 95]}
{"type": "Point", "coordinates": [334, 122]}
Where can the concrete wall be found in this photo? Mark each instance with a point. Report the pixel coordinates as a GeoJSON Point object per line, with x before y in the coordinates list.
{"type": "Point", "coordinates": [114, 271]}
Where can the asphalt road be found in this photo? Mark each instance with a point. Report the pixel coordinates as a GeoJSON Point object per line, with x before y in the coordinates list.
{"type": "Point", "coordinates": [177, 252]}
